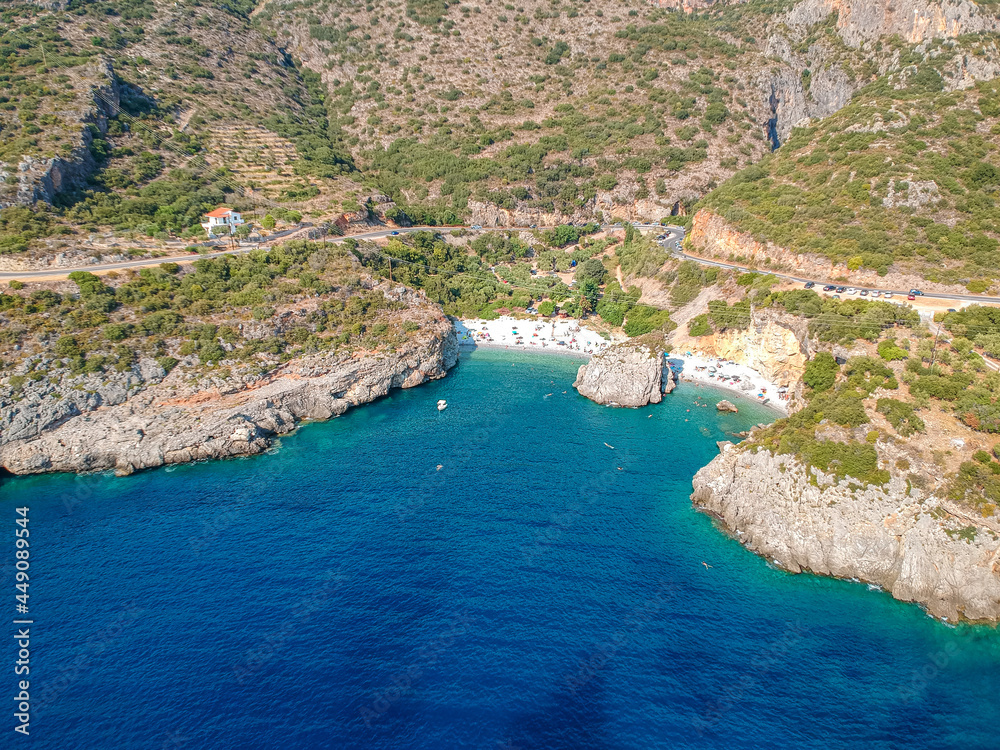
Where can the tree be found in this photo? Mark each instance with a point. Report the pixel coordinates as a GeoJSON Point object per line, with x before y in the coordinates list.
{"type": "Point", "coordinates": [591, 291]}
{"type": "Point", "coordinates": [68, 346]}
{"type": "Point", "coordinates": [242, 232]}
{"type": "Point", "coordinates": [821, 372]}
{"type": "Point", "coordinates": [546, 308]}
{"type": "Point", "coordinates": [890, 351]}
{"type": "Point", "coordinates": [268, 222]}
{"type": "Point", "coordinates": [699, 326]}
{"type": "Point", "coordinates": [591, 269]}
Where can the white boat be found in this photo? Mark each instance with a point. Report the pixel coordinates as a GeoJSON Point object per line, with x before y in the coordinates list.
{"type": "Point", "coordinates": [442, 405]}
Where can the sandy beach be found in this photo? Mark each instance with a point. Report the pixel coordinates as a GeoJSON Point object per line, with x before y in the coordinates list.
{"type": "Point", "coordinates": [698, 370]}
{"type": "Point", "coordinates": [552, 336]}
{"type": "Point", "coordinates": [545, 335]}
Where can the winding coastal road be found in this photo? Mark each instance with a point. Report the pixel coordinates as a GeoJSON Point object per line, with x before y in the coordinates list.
{"type": "Point", "coordinates": [672, 236]}
{"type": "Point", "coordinates": [676, 234]}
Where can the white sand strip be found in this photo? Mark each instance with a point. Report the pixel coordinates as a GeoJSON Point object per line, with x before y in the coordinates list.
{"type": "Point", "coordinates": [720, 373]}
{"type": "Point", "coordinates": [549, 335]}
{"type": "Point", "coordinates": [545, 335]}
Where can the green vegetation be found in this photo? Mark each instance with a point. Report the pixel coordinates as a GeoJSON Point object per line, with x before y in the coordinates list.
{"type": "Point", "coordinates": [821, 372]}
{"type": "Point", "coordinates": [884, 197]}
{"type": "Point", "coordinates": [901, 415]}
{"type": "Point", "coordinates": [890, 351]}
{"type": "Point", "coordinates": [166, 313]}
{"type": "Point", "coordinates": [699, 326]}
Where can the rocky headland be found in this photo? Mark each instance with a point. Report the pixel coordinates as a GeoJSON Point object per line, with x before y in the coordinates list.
{"type": "Point", "coordinates": [630, 374]}
{"type": "Point", "coordinates": [915, 545]}
{"type": "Point", "coordinates": [146, 418]}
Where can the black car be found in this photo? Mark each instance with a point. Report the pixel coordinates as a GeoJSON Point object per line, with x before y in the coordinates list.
{"type": "Point", "coordinates": [810, 284]}
{"type": "Point", "coordinates": [841, 289]}
{"type": "Point", "coordinates": [829, 288]}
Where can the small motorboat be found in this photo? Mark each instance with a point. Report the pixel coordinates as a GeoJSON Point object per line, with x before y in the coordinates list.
{"type": "Point", "coordinates": [442, 405]}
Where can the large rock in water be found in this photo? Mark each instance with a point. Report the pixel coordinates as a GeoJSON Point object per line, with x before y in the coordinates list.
{"type": "Point", "coordinates": [625, 375]}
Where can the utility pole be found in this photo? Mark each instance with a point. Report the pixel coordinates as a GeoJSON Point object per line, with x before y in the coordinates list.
{"type": "Point", "coordinates": [390, 269]}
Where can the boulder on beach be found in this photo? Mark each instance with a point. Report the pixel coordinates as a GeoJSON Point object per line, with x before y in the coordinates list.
{"type": "Point", "coordinates": [727, 406]}
{"type": "Point", "coordinates": [625, 375]}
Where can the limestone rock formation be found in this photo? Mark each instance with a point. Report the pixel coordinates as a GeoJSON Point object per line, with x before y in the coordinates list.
{"type": "Point", "coordinates": [711, 235]}
{"type": "Point", "coordinates": [727, 406]}
{"type": "Point", "coordinates": [39, 179]}
{"type": "Point", "coordinates": [625, 375]}
{"type": "Point", "coordinates": [918, 548]}
{"type": "Point", "coordinates": [140, 423]}
{"type": "Point", "coordinates": [914, 21]}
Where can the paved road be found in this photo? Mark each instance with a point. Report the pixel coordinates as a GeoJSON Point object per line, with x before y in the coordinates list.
{"type": "Point", "coordinates": [677, 235]}
{"type": "Point", "coordinates": [672, 236]}
{"type": "Point", "coordinates": [57, 273]}
{"type": "Point", "coordinates": [61, 273]}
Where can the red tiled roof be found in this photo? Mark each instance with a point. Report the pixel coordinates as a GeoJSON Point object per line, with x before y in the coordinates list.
{"type": "Point", "coordinates": [219, 212]}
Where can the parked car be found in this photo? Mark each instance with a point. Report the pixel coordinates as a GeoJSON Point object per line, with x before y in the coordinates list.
{"type": "Point", "coordinates": [533, 272]}
{"type": "Point", "coordinates": [951, 309]}
{"type": "Point", "coordinates": [851, 290]}
{"type": "Point", "coordinates": [840, 290]}
{"type": "Point", "coordinates": [876, 293]}
{"type": "Point", "coordinates": [829, 288]}
{"type": "Point", "coordinates": [887, 295]}
{"type": "Point", "coordinates": [911, 297]}
{"type": "Point", "coordinates": [810, 284]}
{"type": "Point", "coordinates": [864, 292]}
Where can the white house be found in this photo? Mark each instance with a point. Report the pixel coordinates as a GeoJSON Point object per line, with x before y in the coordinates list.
{"type": "Point", "coordinates": [221, 217]}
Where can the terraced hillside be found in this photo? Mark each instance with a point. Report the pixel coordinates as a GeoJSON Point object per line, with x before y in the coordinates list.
{"type": "Point", "coordinates": [534, 106]}
{"type": "Point", "coordinates": [129, 119]}
{"type": "Point", "coordinates": [116, 112]}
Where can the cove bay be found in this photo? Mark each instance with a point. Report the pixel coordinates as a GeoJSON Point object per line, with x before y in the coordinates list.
{"type": "Point", "coordinates": [523, 569]}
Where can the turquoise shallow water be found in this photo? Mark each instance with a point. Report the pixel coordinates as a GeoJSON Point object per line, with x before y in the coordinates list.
{"type": "Point", "coordinates": [539, 590]}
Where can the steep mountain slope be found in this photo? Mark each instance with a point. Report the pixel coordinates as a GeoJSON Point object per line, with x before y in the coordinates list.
{"type": "Point", "coordinates": [904, 179]}
{"type": "Point", "coordinates": [131, 118]}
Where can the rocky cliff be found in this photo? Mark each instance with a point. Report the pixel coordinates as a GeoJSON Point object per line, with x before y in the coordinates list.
{"type": "Point", "coordinates": [712, 236]}
{"type": "Point", "coordinates": [918, 548]}
{"type": "Point", "coordinates": [36, 179]}
{"type": "Point", "coordinates": [628, 374]}
{"type": "Point", "coordinates": [148, 420]}
{"type": "Point", "coordinates": [915, 21]}
{"type": "Point", "coordinates": [775, 344]}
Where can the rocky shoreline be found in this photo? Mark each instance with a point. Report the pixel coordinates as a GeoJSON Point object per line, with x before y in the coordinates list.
{"type": "Point", "coordinates": [915, 546]}
{"type": "Point", "coordinates": [150, 419]}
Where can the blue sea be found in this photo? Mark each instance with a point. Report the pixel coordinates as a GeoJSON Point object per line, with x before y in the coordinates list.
{"type": "Point", "coordinates": [521, 570]}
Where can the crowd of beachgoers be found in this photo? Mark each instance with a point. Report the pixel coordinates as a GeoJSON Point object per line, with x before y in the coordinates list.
{"type": "Point", "coordinates": [568, 336]}
{"type": "Point", "coordinates": [551, 335]}
{"type": "Point", "coordinates": [723, 373]}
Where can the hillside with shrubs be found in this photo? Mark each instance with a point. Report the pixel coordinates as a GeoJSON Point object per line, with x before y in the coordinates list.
{"type": "Point", "coordinates": [128, 120]}
{"type": "Point", "coordinates": [883, 393]}
{"type": "Point", "coordinates": [903, 179]}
